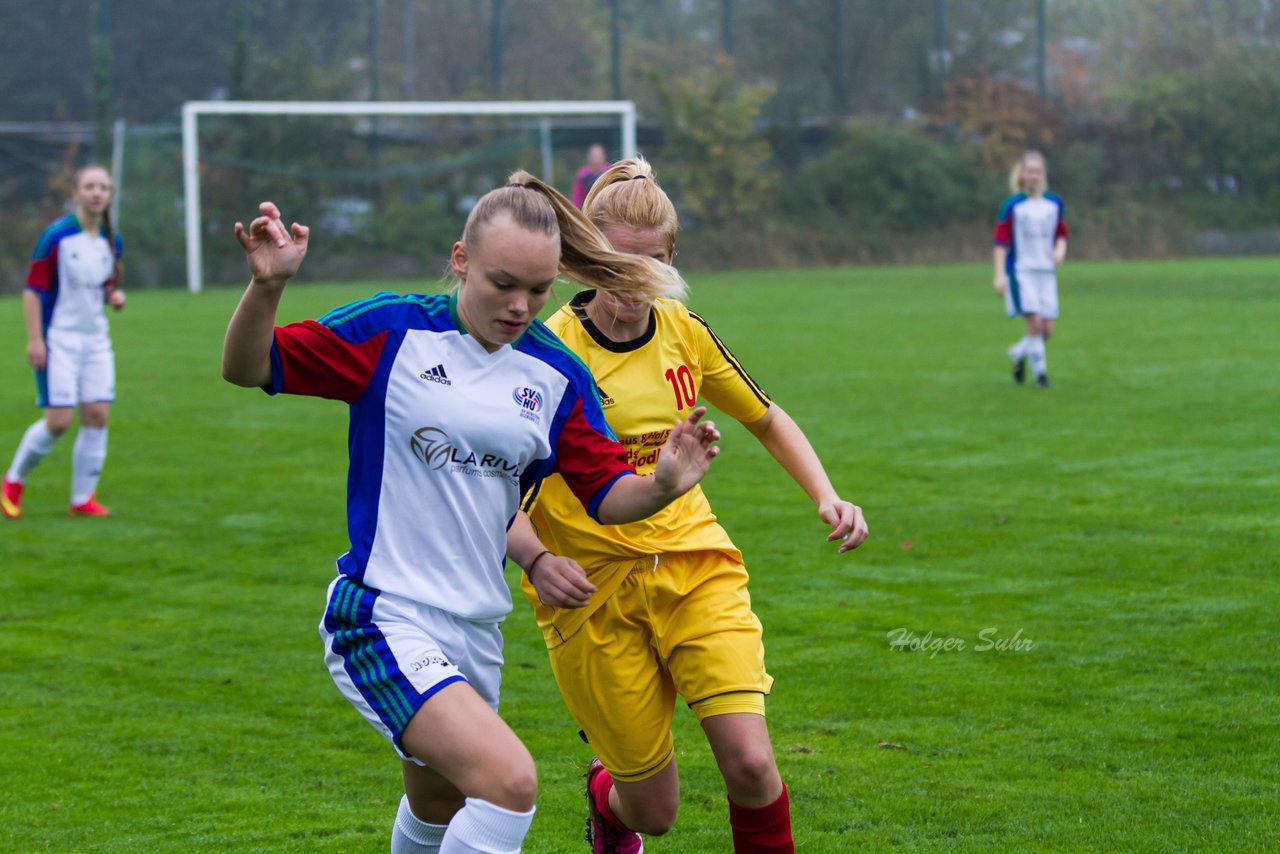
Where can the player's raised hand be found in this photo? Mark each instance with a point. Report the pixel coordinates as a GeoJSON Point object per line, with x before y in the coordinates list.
{"type": "Point", "coordinates": [560, 582]}
{"type": "Point", "coordinates": [687, 453]}
{"type": "Point", "coordinates": [274, 253]}
{"type": "Point", "coordinates": [847, 524]}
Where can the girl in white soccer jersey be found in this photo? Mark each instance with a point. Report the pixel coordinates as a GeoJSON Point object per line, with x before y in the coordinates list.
{"type": "Point", "coordinates": [1030, 246]}
{"type": "Point", "coordinates": [458, 403]}
{"type": "Point", "coordinates": [75, 270]}
{"type": "Point", "coordinates": [661, 607]}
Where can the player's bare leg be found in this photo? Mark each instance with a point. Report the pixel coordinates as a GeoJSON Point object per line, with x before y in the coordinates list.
{"type": "Point", "coordinates": [759, 811]}
{"type": "Point", "coordinates": [470, 751]}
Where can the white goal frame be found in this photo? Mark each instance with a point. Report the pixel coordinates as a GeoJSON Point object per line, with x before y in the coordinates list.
{"type": "Point", "coordinates": [543, 110]}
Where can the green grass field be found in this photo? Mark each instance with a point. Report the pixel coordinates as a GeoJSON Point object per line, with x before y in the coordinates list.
{"type": "Point", "coordinates": [161, 686]}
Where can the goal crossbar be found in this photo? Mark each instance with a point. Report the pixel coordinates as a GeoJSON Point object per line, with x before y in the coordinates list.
{"type": "Point", "coordinates": [544, 110]}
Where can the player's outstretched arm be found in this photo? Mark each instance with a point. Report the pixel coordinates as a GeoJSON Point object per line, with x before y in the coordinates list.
{"type": "Point", "coordinates": [274, 254]}
{"type": "Point", "coordinates": [682, 462]}
{"type": "Point", "coordinates": [784, 439]}
{"type": "Point", "coordinates": [559, 581]}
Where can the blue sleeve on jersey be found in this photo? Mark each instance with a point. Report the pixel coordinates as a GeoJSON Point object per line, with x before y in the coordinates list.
{"type": "Point", "coordinates": [359, 321]}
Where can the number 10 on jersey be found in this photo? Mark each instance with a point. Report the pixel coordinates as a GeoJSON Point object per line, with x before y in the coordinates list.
{"type": "Point", "coordinates": [681, 380]}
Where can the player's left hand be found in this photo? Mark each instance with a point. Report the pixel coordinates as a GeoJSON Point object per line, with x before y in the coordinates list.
{"type": "Point", "coordinates": [687, 453]}
{"type": "Point", "coordinates": [115, 298]}
{"type": "Point", "coordinates": [847, 524]}
{"type": "Point", "coordinates": [560, 582]}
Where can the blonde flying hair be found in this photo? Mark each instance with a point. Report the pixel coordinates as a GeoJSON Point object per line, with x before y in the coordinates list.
{"type": "Point", "coordinates": [629, 196]}
{"type": "Point", "coordinates": [586, 257]}
{"type": "Point", "coordinates": [1015, 174]}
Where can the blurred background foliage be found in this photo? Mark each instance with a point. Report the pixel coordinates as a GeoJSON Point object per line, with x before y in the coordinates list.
{"type": "Point", "coordinates": [789, 131]}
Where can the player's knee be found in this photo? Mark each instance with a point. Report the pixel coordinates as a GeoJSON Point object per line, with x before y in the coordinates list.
{"type": "Point", "coordinates": [656, 818]}
{"type": "Point", "coordinates": [57, 423]}
{"type": "Point", "coordinates": [516, 788]}
{"type": "Point", "coordinates": [751, 774]}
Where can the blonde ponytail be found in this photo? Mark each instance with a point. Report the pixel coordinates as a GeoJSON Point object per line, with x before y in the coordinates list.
{"type": "Point", "coordinates": [586, 257]}
{"type": "Point", "coordinates": [628, 196]}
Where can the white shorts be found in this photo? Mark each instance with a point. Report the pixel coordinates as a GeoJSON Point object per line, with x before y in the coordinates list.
{"type": "Point", "coordinates": [1032, 292]}
{"type": "Point", "coordinates": [79, 368]}
{"type": "Point", "coordinates": [388, 655]}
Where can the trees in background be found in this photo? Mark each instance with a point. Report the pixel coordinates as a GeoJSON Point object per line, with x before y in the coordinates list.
{"type": "Point", "coordinates": [1168, 101]}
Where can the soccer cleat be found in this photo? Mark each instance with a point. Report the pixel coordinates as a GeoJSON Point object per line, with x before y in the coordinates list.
{"type": "Point", "coordinates": [1019, 370]}
{"type": "Point", "coordinates": [604, 837]}
{"type": "Point", "coordinates": [11, 499]}
{"type": "Point", "coordinates": [89, 508]}
{"type": "Point", "coordinates": [1042, 380]}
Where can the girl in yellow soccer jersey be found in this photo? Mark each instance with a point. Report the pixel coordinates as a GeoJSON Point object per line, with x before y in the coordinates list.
{"type": "Point", "coordinates": [635, 614]}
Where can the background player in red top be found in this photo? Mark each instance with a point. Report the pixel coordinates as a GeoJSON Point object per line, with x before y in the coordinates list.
{"type": "Point", "coordinates": [457, 403]}
{"type": "Point", "coordinates": [75, 269]}
{"type": "Point", "coordinates": [594, 167]}
{"type": "Point", "coordinates": [1030, 246]}
{"type": "Point", "coordinates": [635, 614]}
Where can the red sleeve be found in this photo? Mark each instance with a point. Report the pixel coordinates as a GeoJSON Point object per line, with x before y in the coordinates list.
{"type": "Point", "coordinates": [1061, 234]}
{"type": "Point", "coordinates": [1004, 233]}
{"type": "Point", "coordinates": [43, 271]}
{"type": "Point", "coordinates": [310, 358]}
{"type": "Point", "coordinates": [588, 460]}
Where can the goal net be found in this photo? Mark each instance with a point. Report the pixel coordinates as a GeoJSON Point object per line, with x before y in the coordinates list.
{"type": "Point", "coordinates": [384, 186]}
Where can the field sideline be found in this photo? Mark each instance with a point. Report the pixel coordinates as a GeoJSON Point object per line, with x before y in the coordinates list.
{"type": "Point", "coordinates": [162, 687]}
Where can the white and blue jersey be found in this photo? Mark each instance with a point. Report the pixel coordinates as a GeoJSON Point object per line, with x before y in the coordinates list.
{"type": "Point", "coordinates": [70, 271]}
{"type": "Point", "coordinates": [1029, 227]}
{"type": "Point", "coordinates": [444, 438]}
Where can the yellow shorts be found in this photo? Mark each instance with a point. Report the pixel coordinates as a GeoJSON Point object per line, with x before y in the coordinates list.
{"type": "Point", "coordinates": [681, 625]}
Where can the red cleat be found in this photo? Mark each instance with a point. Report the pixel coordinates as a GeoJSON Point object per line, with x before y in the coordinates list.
{"type": "Point", "coordinates": [89, 508]}
{"type": "Point", "coordinates": [11, 500]}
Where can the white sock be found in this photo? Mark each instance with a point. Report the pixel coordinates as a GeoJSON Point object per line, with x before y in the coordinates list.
{"type": "Point", "coordinates": [36, 443]}
{"type": "Point", "coordinates": [1039, 362]}
{"type": "Point", "coordinates": [1019, 350]}
{"type": "Point", "coordinates": [484, 828]}
{"type": "Point", "coordinates": [87, 456]}
{"type": "Point", "coordinates": [412, 835]}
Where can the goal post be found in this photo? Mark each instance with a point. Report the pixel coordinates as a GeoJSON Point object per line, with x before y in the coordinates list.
{"type": "Point", "coordinates": [543, 111]}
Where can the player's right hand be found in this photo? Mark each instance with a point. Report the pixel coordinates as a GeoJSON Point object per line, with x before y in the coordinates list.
{"type": "Point", "coordinates": [37, 355]}
{"type": "Point", "coordinates": [1001, 283]}
{"type": "Point", "coordinates": [274, 253]}
{"type": "Point", "coordinates": [561, 583]}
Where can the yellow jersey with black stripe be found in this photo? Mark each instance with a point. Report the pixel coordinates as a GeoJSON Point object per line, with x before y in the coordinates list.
{"type": "Point", "coordinates": [645, 385]}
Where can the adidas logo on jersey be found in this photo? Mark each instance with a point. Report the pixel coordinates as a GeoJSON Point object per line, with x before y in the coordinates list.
{"type": "Point", "coordinates": [605, 400]}
{"type": "Point", "coordinates": [436, 375]}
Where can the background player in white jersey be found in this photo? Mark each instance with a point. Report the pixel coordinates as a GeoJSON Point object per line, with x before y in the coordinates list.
{"type": "Point", "coordinates": [75, 269]}
{"type": "Point", "coordinates": [458, 403]}
{"type": "Point", "coordinates": [1030, 246]}
{"type": "Point", "coordinates": [635, 614]}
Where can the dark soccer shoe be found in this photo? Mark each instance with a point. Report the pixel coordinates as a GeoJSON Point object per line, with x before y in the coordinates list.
{"type": "Point", "coordinates": [1042, 381]}
{"type": "Point", "coordinates": [1020, 371]}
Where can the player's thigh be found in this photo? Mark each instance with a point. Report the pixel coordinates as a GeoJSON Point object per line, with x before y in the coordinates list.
{"type": "Point", "coordinates": [616, 688]}
{"type": "Point", "coordinates": [97, 377]}
{"type": "Point", "coordinates": [458, 735]}
{"type": "Point", "coordinates": [60, 383]}
{"type": "Point", "coordinates": [388, 656]}
{"type": "Point", "coordinates": [712, 641]}
{"type": "Point", "coordinates": [1041, 293]}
